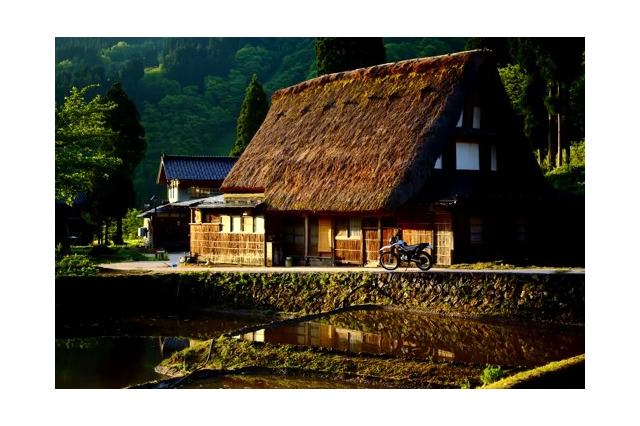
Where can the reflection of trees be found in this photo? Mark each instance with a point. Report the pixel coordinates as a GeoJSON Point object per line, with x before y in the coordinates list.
{"type": "Point", "coordinates": [84, 344]}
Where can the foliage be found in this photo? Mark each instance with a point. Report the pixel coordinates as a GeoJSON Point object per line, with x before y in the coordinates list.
{"type": "Point", "coordinates": [103, 254]}
{"type": "Point", "coordinates": [491, 373]}
{"type": "Point", "coordinates": [570, 176]}
{"type": "Point", "coordinates": [130, 224]}
{"type": "Point", "coordinates": [252, 113]}
{"type": "Point", "coordinates": [75, 265]}
{"type": "Point", "coordinates": [190, 104]}
{"type": "Point", "coordinates": [551, 374]}
{"type": "Point", "coordinates": [80, 130]}
{"type": "Point", "coordinates": [124, 119]}
{"type": "Point", "coordinates": [335, 54]}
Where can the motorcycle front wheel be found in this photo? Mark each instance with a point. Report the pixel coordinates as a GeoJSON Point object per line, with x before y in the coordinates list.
{"type": "Point", "coordinates": [424, 261]}
{"type": "Point", "coordinates": [389, 260]}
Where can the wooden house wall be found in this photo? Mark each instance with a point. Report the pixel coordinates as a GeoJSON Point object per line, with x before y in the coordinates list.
{"type": "Point", "coordinates": [348, 251]}
{"type": "Point", "coordinates": [209, 244]}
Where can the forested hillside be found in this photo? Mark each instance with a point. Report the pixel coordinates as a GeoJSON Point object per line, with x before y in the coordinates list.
{"type": "Point", "coordinates": [189, 91]}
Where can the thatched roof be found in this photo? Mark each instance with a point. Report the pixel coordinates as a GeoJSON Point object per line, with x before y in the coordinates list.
{"type": "Point", "coordinates": [358, 141]}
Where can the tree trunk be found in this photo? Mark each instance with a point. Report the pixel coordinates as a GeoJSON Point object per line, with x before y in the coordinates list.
{"type": "Point", "coordinates": [99, 231]}
{"type": "Point", "coordinates": [117, 238]}
{"type": "Point", "coordinates": [560, 108]}
{"type": "Point", "coordinates": [551, 146]}
{"type": "Point", "coordinates": [559, 118]}
{"type": "Point", "coordinates": [106, 232]}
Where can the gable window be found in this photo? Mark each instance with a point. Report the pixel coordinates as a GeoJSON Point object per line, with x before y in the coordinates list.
{"type": "Point", "coordinates": [467, 156]}
{"type": "Point", "coordinates": [438, 164]}
{"type": "Point", "coordinates": [348, 228]}
{"type": "Point", "coordinates": [476, 117]}
{"type": "Point", "coordinates": [494, 158]}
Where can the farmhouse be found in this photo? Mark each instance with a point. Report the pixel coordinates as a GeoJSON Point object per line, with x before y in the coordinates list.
{"type": "Point", "coordinates": [187, 178]}
{"type": "Point", "coordinates": [429, 145]}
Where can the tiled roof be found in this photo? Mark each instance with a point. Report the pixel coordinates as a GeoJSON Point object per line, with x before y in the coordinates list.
{"type": "Point", "coordinates": [194, 168]}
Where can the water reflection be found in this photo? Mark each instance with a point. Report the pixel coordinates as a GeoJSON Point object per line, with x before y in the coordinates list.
{"type": "Point", "coordinates": [422, 336]}
{"type": "Point", "coordinates": [111, 353]}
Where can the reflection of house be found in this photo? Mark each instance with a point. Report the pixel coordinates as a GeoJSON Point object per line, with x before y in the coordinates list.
{"type": "Point", "coordinates": [187, 178]}
{"type": "Point", "coordinates": [329, 336]}
{"type": "Point", "coordinates": [429, 145]}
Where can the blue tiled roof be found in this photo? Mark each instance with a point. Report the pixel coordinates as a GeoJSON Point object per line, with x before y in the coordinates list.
{"type": "Point", "coordinates": [195, 167]}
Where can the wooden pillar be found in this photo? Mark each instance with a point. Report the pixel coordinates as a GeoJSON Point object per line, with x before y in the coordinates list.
{"type": "Point", "coordinates": [434, 252]}
{"type": "Point", "coordinates": [306, 236]}
{"type": "Point", "coordinates": [363, 253]}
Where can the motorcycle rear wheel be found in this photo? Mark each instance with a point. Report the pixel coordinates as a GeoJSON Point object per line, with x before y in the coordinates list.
{"type": "Point", "coordinates": [424, 261]}
{"type": "Point", "coordinates": [389, 260]}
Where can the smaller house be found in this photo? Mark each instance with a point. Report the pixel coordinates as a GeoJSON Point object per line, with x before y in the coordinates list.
{"type": "Point", "coordinates": [187, 178]}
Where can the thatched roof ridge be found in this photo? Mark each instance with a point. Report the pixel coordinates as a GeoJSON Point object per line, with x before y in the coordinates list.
{"type": "Point", "coordinates": [362, 140]}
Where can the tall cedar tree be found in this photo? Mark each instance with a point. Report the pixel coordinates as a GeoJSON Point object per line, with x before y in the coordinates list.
{"type": "Point", "coordinates": [252, 113]}
{"type": "Point", "coordinates": [116, 195]}
{"type": "Point", "coordinates": [552, 65]}
{"type": "Point", "coordinates": [551, 99]}
{"type": "Point", "coordinates": [337, 54]}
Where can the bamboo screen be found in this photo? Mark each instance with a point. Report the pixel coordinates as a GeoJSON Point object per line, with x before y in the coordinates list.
{"type": "Point", "coordinates": [444, 238]}
{"type": "Point", "coordinates": [372, 245]}
{"type": "Point", "coordinates": [225, 247]}
{"type": "Point", "coordinates": [349, 251]}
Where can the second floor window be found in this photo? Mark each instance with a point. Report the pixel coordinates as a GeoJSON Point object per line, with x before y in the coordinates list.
{"type": "Point", "coordinates": [467, 156]}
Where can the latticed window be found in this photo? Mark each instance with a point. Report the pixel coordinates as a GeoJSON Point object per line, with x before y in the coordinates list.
{"type": "Point", "coordinates": [348, 227]}
{"type": "Point", "coordinates": [196, 192]}
{"type": "Point", "coordinates": [475, 229]}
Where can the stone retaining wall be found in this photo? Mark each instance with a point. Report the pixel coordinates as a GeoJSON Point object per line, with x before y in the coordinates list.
{"type": "Point", "coordinates": [551, 297]}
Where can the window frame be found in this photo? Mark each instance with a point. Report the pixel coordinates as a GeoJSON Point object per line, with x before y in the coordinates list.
{"type": "Point", "coordinates": [348, 228]}
{"type": "Point", "coordinates": [467, 155]}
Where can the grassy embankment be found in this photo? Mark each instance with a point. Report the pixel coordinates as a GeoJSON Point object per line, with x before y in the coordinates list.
{"type": "Point", "coordinates": [231, 354]}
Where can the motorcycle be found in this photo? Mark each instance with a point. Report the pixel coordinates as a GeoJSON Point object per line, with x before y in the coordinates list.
{"type": "Point", "coordinates": [397, 251]}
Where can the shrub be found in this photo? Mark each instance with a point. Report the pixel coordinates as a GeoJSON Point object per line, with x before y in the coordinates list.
{"type": "Point", "coordinates": [491, 374]}
{"type": "Point", "coordinates": [75, 266]}
{"type": "Point", "coordinates": [100, 250]}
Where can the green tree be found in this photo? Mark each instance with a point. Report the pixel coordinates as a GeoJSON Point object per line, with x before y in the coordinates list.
{"type": "Point", "coordinates": [562, 62]}
{"type": "Point", "coordinates": [551, 66]}
{"type": "Point", "coordinates": [335, 54]}
{"type": "Point", "coordinates": [115, 195]}
{"type": "Point", "coordinates": [80, 130]}
{"type": "Point", "coordinates": [252, 113]}
{"type": "Point", "coordinates": [570, 176]}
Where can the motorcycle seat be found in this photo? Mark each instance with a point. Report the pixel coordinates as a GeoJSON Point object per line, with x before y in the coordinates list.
{"type": "Point", "coordinates": [411, 247]}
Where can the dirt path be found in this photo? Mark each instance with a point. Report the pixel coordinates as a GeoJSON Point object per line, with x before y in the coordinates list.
{"type": "Point", "coordinates": [167, 266]}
